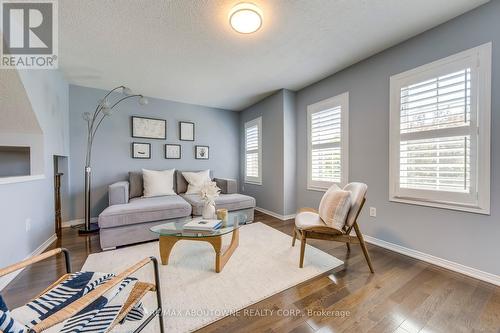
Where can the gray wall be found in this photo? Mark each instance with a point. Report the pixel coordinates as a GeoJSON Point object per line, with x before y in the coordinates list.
{"type": "Point", "coordinates": [277, 192]}
{"type": "Point", "coordinates": [112, 147]}
{"type": "Point", "coordinates": [466, 238]}
{"type": "Point", "coordinates": [269, 195]}
{"type": "Point", "coordinates": [289, 153]}
{"type": "Point", "coordinates": [34, 200]}
{"type": "Point", "coordinates": [14, 161]}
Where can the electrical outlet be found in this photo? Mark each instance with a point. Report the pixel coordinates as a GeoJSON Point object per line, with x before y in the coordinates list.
{"type": "Point", "coordinates": [28, 224]}
{"type": "Point", "coordinates": [373, 212]}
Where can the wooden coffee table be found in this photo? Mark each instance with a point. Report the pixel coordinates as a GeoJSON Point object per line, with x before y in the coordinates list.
{"type": "Point", "coordinates": [172, 232]}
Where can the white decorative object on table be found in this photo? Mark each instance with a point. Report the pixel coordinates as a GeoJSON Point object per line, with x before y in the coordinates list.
{"type": "Point", "coordinates": [209, 191]}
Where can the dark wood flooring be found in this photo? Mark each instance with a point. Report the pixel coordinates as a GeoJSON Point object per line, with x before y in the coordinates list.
{"type": "Point", "coordinates": [404, 295]}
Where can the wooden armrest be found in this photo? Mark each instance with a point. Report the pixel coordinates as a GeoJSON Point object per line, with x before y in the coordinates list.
{"type": "Point", "coordinates": [139, 291]}
{"type": "Point", "coordinates": [30, 261]}
{"type": "Point", "coordinates": [83, 302]}
{"type": "Point", "coordinates": [306, 209]}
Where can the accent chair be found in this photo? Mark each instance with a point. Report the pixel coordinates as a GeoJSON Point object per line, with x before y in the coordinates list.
{"type": "Point", "coordinates": [313, 224]}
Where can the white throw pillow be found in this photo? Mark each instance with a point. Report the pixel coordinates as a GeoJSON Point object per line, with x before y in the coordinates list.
{"type": "Point", "coordinates": [196, 180]}
{"type": "Point", "coordinates": [157, 183]}
{"type": "Point", "coordinates": [334, 207]}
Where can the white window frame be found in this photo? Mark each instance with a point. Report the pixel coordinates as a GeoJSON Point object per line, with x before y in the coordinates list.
{"type": "Point", "coordinates": [478, 201]}
{"type": "Point", "coordinates": [341, 100]}
{"type": "Point", "coordinates": [254, 180]}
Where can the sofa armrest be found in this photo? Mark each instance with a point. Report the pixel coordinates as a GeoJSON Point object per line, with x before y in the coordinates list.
{"type": "Point", "coordinates": [118, 193]}
{"type": "Point", "coordinates": [227, 186]}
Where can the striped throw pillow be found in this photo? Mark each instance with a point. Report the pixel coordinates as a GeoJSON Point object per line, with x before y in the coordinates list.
{"type": "Point", "coordinates": [334, 207]}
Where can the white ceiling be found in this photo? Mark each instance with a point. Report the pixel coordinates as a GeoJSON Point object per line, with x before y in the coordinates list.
{"type": "Point", "coordinates": [185, 50]}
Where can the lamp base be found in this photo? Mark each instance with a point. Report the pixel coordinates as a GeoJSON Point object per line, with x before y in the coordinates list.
{"type": "Point", "coordinates": [94, 228]}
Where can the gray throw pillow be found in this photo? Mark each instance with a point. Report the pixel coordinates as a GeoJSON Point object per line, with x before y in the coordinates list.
{"type": "Point", "coordinates": [136, 186]}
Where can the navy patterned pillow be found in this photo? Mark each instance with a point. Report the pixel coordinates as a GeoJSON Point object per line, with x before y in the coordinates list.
{"type": "Point", "coordinates": [7, 323]}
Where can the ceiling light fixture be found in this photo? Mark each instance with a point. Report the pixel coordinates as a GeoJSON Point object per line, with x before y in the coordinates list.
{"type": "Point", "coordinates": [245, 18]}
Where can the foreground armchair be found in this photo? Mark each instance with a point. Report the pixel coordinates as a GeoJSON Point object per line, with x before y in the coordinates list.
{"type": "Point", "coordinates": [104, 300]}
{"type": "Point", "coordinates": [324, 224]}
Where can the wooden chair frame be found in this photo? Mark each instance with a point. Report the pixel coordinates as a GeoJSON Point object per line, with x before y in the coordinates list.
{"type": "Point", "coordinates": [140, 289]}
{"type": "Point", "coordinates": [327, 233]}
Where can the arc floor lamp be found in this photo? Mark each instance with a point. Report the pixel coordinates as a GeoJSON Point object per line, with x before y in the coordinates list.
{"type": "Point", "coordinates": [103, 110]}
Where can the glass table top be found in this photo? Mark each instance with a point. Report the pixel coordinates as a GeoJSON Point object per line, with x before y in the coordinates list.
{"type": "Point", "coordinates": [176, 227]}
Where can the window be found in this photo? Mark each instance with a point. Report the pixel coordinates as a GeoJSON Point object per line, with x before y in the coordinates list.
{"type": "Point", "coordinates": [253, 151]}
{"type": "Point", "coordinates": [440, 133]}
{"type": "Point", "coordinates": [327, 124]}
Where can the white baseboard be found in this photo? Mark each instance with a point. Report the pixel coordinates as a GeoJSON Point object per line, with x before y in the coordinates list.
{"type": "Point", "coordinates": [4, 281]}
{"type": "Point", "coordinates": [273, 214]}
{"type": "Point", "coordinates": [71, 223]}
{"type": "Point", "coordinates": [453, 266]}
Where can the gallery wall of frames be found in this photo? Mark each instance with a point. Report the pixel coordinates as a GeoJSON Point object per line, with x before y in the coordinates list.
{"type": "Point", "coordinates": [153, 129]}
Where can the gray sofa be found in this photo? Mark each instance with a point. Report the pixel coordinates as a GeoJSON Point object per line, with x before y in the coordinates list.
{"type": "Point", "coordinates": [129, 216]}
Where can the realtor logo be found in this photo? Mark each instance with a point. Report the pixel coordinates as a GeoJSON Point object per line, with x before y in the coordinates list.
{"type": "Point", "coordinates": [29, 32]}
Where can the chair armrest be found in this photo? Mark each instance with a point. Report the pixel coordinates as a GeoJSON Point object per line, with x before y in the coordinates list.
{"type": "Point", "coordinates": [306, 209]}
{"type": "Point", "coordinates": [40, 257]}
{"type": "Point", "coordinates": [80, 304]}
{"type": "Point", "coordinates": [227, 186]}
{"type": "Point", "coordinates": [118, 193]}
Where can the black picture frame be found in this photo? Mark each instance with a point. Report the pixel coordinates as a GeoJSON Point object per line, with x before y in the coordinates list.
{"type": "Point", "coordinates": [196, 152]}
{"type": "Point", "coordinates": [173, 158]}
{"type": "Point", "coordinates": [134, 135]}
{"type": "Point", "coordinates": [134, 155]}
{"type": "Point", "coordinates": [180, 130]}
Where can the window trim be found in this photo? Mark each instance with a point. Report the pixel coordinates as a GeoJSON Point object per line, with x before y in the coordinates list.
{"type": "Point", "coordinates": [254, 180]}
{"type": "Point", "coordinates": [479, 58]}
{"type": "Point", "coordinates": [341, 100]}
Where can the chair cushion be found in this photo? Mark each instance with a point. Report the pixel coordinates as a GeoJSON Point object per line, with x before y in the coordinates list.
{"type": "Point", "coordinates": [140, 210]}
{"type": "Point", "coordinates": [306, 220]}
{"type": "Point", "coordinates": [136, 186]}
{"type": "Point", "coordinates": [334, 207]}
{"type": "Point", "coordinates": [358, 193]}
{"type": "Point", "coordinates": [231, 202]}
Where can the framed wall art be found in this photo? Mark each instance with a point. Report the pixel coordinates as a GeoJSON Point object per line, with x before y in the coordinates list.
{"type": "Point", "coordinates": [186, 131]}
{"type": "Point", "coordinates": [172, 151]}
{"type": "Point", "coordinates": [201, 152]}
{"type": "Point", "coordinates": [141, 150]}
{"type": "Point", "coordinates": [149, 128]}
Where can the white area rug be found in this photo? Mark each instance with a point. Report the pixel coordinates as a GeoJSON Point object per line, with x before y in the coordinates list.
{"type": "Point", "coordinates": [194, 295]}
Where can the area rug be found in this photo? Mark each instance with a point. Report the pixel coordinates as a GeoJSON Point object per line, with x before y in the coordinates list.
{"type": "Point", "coordinates": [194, 295]}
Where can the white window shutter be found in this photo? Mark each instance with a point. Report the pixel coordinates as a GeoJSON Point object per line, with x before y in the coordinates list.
{"type": "Point", "coordinates": [253, 151]}
{"type": "Point", "coordinates": [327, 136]}
{"type": "Point", "coordinates": [440, 133]}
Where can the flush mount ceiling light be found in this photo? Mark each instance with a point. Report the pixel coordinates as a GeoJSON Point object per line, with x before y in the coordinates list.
{"type": "Point", "coordinates": [245, 18]}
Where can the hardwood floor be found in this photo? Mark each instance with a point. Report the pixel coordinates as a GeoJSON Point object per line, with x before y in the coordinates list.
{"type": "Point", "coordinates": [404, 295]}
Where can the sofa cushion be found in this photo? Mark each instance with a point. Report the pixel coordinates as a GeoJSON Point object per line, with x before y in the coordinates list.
{"type": "Point", "coordinates": [196, 180]}
{"type": "Point", "coordinates": [181, 184]}
{"type": "Point", "coordinates": [140, 210]}
{"type": "Point", "coordinates": [158, 183]}
{"type": "Point", "coordinates": [136, 187]}
{"type": "Point", "coordinates": [229, 201]}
